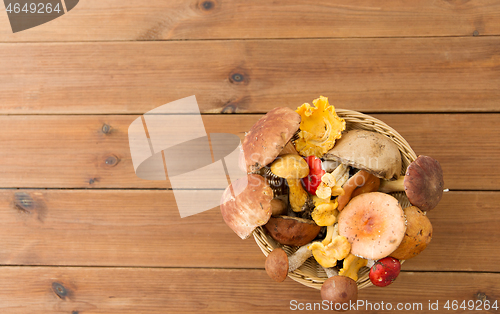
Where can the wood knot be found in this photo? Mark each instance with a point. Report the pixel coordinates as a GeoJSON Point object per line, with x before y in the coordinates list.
{"type": "Point", "coordinates": [481, 296]}
{"type": "Point", "coordinates": [24, 202]}
{"type": "Point", "coordinates": [106, 129]}
{"type": "Point", "coordinates": [207, 5]}
{"type": "Point", "coordinates": [59, 290]}
{"type": "Point", "coordinates": [239, 76]}
{"type": "Point", "coordinates": [231, 108]}
{"type": "Point", "coordinates": [111, 161]}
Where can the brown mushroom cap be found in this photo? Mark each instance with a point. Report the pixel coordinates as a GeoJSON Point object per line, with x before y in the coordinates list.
{"type": "Point", "coordinates": [292, 230]}
{"type": "Point", "coordinates": [277, 265]}
{"type": "Point", "coordinates": [424, 183]}
{"type": "Point", "coordinates": [266, 139]}
{"type": "Point", "coordinates": [369, 151]}
{"type": "Point", "coordinates": [250, 207]}
{"type": "Point", "coordinates": [374, 224]}
{"type": "Point", "coordinates": [340, 290]}
{"type": "Point", "coordinates": [418, 234]}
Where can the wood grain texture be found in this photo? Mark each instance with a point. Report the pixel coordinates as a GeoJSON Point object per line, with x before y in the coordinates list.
{"type": "Point", "coordinates": [252, 76]}
{"type": "Point", "coordinates": [94, 20]}
{"type": "Point", "coordinates": [72, 151]}
{"type": "Point", "coordinates": [144, 229]}
{"type": "Point", "coordinates": [118, 290]}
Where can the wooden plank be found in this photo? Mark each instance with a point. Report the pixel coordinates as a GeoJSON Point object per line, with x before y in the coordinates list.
{"type": "Point", "coordinates": [143, 228]}
{"type": "Point", "coordinates": [95, 20]}
{"type": "Point", "coordinates": [72, 151]}
{"type": "Point", "coordinates": [117, 290]}
{"type": "Point", "coordinates": [249, 76]}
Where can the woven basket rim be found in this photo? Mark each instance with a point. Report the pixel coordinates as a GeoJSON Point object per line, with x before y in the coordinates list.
{"type": "Point", "coordinates": [311, 274]}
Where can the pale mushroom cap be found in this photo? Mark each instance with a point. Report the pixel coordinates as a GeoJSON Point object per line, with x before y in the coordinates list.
{"type": "Point", "coordinates": [290, 166]}
{"type": "Point", "coordinates": [250, 207]}
{"type": "Point", "coordinates": [369, 151]}
{"type": "Point", "coordinates": [374, 224]}
{"type": "Point", "coordinates": [267, 137]}
{"type": "Point", "coordinates": [424, 183]}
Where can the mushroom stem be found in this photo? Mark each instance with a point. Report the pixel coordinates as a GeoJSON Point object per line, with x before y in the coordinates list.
{"type": "Point", "coordinates": [278, 207]}
{"type": "Point", "coordinates": [299, 257]}
{"type": "Point", "coordinates": [288, 149]}
{"type": "Point", "coordinates": [330, 271]}
{"type": "Point", "coordinates": [298, 197]}
{"type": "Point", "coordinates": [392, 186]}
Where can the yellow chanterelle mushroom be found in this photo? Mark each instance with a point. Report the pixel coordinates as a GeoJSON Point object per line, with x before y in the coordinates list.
{"type": "Point", "coordinates": [293, 168]}
{"type": "Point", "coordinates": [352, 265]}
{"type": "Point", "coordinates": [325, 212]}
{"type": "Point", "coordinates": [320, 126]}
{"type": "Point", "coordinates": [333, 248]}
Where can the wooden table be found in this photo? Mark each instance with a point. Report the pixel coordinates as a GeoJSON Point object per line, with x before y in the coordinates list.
{"type": "Point", "coordinates": [81, 233]}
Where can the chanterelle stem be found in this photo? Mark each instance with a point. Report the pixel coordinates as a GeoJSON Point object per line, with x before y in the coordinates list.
{"type": "Point", "coordinates": [298, 197]}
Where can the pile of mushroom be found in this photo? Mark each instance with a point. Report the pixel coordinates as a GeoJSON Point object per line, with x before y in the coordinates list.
{"type": "Point", "coordinates": [322, 192]}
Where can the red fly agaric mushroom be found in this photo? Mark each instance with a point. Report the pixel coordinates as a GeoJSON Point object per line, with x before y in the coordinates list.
{"type": "Point", "coordinates": [385, 271]}
{"type": "Point", "coordinates": [374, 224]}
{"type": "Point", "coordinates": [246, 204]}
{"type": "Point", "coordinates": [278, 264]}
{"type": "Point", "coordinates": [423, 183]}
{"type": "Point", "coordinates": [267, 138]}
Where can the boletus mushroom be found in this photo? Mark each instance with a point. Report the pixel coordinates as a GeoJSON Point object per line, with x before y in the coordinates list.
{"type": "Point", "coordinates": [374, 224]}
{"type": "Point", "coordinates": [340, 290]}
{"type": "Point", "coordinates": [369, 151]}
{"type": "Point", "coordinates": [417, 236]}
{"type": "Point", "coordinates": [423, 183]}
{"type": "Point", "coordinates": [292, 168]}
{"type": "Point", "coordinates": [293, 231]}
{"type": "Point", "coordinates": [246, 204]}
{"type": "Point", "coordinates": [279, 264]}
{"type": "Point", "coordinates": [267, 138]}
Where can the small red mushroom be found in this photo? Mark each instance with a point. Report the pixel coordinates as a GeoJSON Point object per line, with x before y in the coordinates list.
{"type": "Point", "coordinates": [385, 271]}
{"type": "Point", "coordinates": [312, 181]}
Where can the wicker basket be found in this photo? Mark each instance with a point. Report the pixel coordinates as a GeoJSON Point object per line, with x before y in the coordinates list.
{"type": "Point", "coordinates": [311, 274]}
